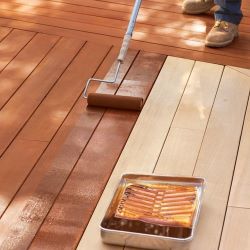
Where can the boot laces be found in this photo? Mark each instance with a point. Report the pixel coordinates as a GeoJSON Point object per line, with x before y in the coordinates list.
{"type": "Point", "coordinates": [221, 24]}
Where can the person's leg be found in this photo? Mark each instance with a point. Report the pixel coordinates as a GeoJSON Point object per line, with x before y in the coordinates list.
{"type": "Point", "coordinates": [229, 11]}
{"type": "Point", "coordinates": [227, 18]}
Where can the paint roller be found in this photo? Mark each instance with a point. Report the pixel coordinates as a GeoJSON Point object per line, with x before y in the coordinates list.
{"type": "Point", "coordinates": [117, 101]}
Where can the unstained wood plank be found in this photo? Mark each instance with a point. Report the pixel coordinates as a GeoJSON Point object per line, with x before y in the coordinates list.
{"type": "Point", "coordinates": [218, 154]}
{"type": "Point", "coordinates": [242, 70]}
{"type": "Point", "coordinates": [240, 196]}
{"type": "Point", "coordinates": [181, 149]}
{"type": "Point", "coordinates": [236, 230]}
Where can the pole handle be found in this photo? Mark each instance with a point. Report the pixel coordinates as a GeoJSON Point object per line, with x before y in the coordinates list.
{"type": "Point", "coordinates": [124, 48]}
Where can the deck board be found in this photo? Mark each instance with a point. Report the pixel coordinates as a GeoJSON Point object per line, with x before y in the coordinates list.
{"type": "Point", "coordinates": [4, 32]}
{"type": "Point", "coordinates": [13, 81]}
{"type": "Point", "coordinates": [190, 122]}
{"type": "Point", "coordinates": [236, 233]}
{"type": "Point", "coordinates": [13, 43]}
{"type": "Point", "coordinates": [48, 136]}
{"type": "Point", "coordinates": [157, 25]}
{"type": "Point", "coordinates": [240, 196]}
{"type": "Point", "coordinates": [219, 150]}
{"type": "Point", "coordinates": [49, 116]}
{"type": "Point", "coordinates": [215, 160]}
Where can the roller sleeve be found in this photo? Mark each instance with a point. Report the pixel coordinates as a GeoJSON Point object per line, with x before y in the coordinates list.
{"type": "Point", "coordinates": [115, 101]}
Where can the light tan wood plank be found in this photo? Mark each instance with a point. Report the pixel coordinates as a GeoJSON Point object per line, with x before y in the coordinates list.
{"type": "Point", "coordinates": [217, 156]}
{"type": "Point", "coordinates": [240, 195]}
{"type": "Point", "coordinates": [242, 70]}
{"type": "Point", "coordinates": [182, 145]}
{"type": "Point", "coordinates": [142, 150]}
{"type": "Point", "coordinates": [236, 234]}
{"type": "Point", "coordinates": [181, 149]}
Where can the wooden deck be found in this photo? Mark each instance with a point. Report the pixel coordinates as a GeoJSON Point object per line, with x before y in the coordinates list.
{"type": "Point", "coordinates": [60, 161]}
{"type": "Point", "coordinates": [161, 27]}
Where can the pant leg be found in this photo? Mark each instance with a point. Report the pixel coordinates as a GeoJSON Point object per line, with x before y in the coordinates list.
{"type": "Point", "coordinates": [230, 11]}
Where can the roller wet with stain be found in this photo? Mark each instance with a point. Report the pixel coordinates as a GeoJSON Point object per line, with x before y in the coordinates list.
{"type": "Point", "coordinates": [117, 101]}
{"type": "Point", "coordinates": [153, 212]}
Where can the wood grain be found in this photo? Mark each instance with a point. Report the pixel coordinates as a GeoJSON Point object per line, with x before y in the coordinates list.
{"type": "Point", "coordinates": [217, 157]}
{"type": "Point", "coordinates": [13, 76]}
{"type": "Point", "coordinates": [37, 86]}
{"type": "Point", "coordinates": [4, 32]}
{"type": "Point", "coordinates": [181, 149]}
{"type": "Point", "coordinates": [160, 25]}
{"type": "Point", "coordinates": [12, 45]}
{"type": "Point", "coordinates": [48, 117]}
{"type": "Point", "coordinates": [236, 233]}
{"type": "Point", "coordinates": [240, 196]}
{"type": "Point", "coordinates": [35, 189]}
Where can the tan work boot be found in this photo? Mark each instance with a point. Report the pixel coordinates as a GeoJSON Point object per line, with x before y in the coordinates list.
{"type": "Point", "coordinates": [222, 34]}
{"type": "Point", "coordinates": [197, 6]}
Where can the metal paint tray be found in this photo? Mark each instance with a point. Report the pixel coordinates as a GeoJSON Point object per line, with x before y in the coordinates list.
{"type": "Point", "coordinates": [130, 221]}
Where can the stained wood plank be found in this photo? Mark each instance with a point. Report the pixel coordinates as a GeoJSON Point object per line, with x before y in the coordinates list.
{"type": "Point", "coordinates": [96, 162]}
{"type": "Point", "coordinates": [167, 89]}
{"type": "Point", "coordinates": [4, 32]}
{"type": "Point", "coordinates": [157, 26]}
{"type": "Point", "coordinates": [16, 73]}
{"type": "Point", "coordinates": [236, 230]}
{"type": "Point", "coordinates": [140, 36]}
{"type": "Point", "coordinates": [109, 20]}
{"type": "Point", "coordinates": [62, 227]}
{"type": "Point", "coordinates": [76, 12]}
{"type": "Point", "coordinates": [181, 149]}
{"type": "Point", "coordinates": [240, 196]}
{"type": "Point", "coordinates": [155, 48]}
{"type": "Point", "coordinates": [14, 168]}
{"type": "Point", "coordinates": [49, 116]}
{"type": "Point", "coordinates": [38, 83]}
{"type": "Point", "coordinates": [15, 181]}
{"type": "Point", "coordinates": [12, 45]}
{"type": "Point", "coordinates": [26, 209]}
{"type": "Point", "coordinates": [145, 13]}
